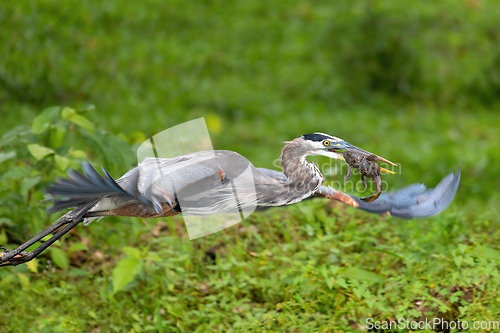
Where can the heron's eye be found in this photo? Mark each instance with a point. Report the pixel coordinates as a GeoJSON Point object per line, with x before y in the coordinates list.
{"type": "Point", "coordinates": [326, 143]}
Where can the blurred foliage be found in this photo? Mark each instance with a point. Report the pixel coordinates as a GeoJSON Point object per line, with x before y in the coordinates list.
{"type": "Point", "coordinates": [176, 65]}
{"type": "Point", "coordinates": [417, 83]}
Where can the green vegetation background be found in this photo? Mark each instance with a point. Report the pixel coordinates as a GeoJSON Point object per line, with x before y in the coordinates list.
{"type": "Point", "coordinates": [417, 83]}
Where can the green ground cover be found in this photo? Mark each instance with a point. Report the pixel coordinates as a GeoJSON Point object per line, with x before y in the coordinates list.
{"type": "Point", "coordinates": [418, 84]}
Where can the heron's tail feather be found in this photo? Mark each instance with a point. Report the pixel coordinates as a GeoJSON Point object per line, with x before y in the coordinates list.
{"type": "Point", "coordinates": [83, 191]}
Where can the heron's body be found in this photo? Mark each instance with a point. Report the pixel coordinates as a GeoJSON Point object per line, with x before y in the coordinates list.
{"type": "Point", "coordinates": [205, 182]}
{"type": "Point", "coordinates": [221, 181]}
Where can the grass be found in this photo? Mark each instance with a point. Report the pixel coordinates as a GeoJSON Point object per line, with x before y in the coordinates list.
{"type": "Point", "coordinates": [310, 267]}
{"type": "Point", "coordinates": [409, 88]}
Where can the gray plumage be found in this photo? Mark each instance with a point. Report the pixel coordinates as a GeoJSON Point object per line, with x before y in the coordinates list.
{"type": "Point", "coordinates": [205, 183]}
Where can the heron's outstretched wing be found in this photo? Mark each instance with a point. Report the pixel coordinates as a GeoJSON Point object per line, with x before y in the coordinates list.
{"type": "Point", "coordinates": [415, 200]}
{"type": "Point", "coordinates": [202, 183]}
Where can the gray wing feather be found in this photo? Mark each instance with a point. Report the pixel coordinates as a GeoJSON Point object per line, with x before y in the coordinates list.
{"type": "Point", "coordinates": [79, 190]}
{"type": "Point", "coordinates": [200, 183]}
{"type": "Point", "coordinates": [273, 174]}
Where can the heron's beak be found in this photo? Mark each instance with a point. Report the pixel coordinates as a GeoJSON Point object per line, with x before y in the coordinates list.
{"type": "Point", "coordinates": [340, 147]}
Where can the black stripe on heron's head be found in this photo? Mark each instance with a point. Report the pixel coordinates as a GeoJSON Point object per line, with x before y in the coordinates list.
{"type": "Point", "coordinates": [318, 137]}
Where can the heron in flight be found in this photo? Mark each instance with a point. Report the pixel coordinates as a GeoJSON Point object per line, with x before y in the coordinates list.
{"type": "Point", "coordinates": [201, 184]}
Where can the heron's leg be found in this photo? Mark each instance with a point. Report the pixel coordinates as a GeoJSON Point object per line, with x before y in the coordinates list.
{"type": "Point", "coordinates": [19, 256]}
{"type": "Point", "coordinates": [331, 193]}
{"type": "Point", "coordinates": [65, 219]}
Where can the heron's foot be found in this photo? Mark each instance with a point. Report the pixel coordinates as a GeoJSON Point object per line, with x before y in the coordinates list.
{"type": "Point", "coordinates": [331, 193]}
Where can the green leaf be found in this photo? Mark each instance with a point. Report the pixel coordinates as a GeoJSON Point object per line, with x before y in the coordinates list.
{"type": "Point", "coordinates": [136, 137]}
{"type": "Point", "coordinates": [114, 151]}
{"type": "Point", "coordinates": [490, 253]}
{"type": "Point", "coordinates": [7, 138]}
{"type": "Point", "coordinates": [28, 183]}
{"type": "Point", "coordinates": [359, 291]}
{"type": "Point", "coordinates": [92, 314]}
{"type": "Point", "coordinates": [323, 271]}
{"type": "Point", "coordinates": [76, 272]}
{"type": "Point", "coordinates": [363, 275]}
{"type": "Point", "coordinates": [57, 134]}
{"type": "Point", "coordinates": [341, 282]}
{"type": "Point", "coordinates": [38, 151]}
{"type": "Point", "coordinates": [330, 281]}
{"type": "Point", "coordinates": [132, 252]}
{"type": "Point", "coordinates": [7, 156]}
{"type": "Point", "coordinates": [486, 253]}
{"type": "Point", "coordinates": [77, 153]}
{"type": "Point", "coordinates": [33, 265]}
{"type": "Point", "coordinates": [125, 272]}
{"type": "Point", "coordinates": [59, 257]}
{"type": "Point", "coordinates": [14, 134]}
{"type": "Point", "coordinates": [334, 269]}
{"type": "Point", "coordinates": [77, 247]}
{"type": "Point", "coordinates": [82, 122]}
{"type": "Point", "coordinates": [298, 298]}
{"type": "Point", "coordinates": [40, 125]}
{"type": "Point", "coordinates": [24, 281]}
{"type": "Point", "coordinates": [43, 121]}
{"type": "Point", "coordinates": [86, 108]}
{"type": "Point", "coordinates": [386, 252]}
{"type": "Point", "coordinates": [61, 162]}
{"type": "Point", "coordinates": [16, 172]}
{"type": "Point", "coordinates": [370, 301]}
{"type": "Point", "coordinates": [153, 256]}
{"type": "Point", "coordinates": [3, 236]}
{"type": "Point", "coordinates": [7, 280]}
{"type": "Point", "coordinates": [67, 112]}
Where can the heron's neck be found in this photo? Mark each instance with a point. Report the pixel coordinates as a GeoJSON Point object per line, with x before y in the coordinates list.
{"type": "Point", "coordinates": [298, 170]}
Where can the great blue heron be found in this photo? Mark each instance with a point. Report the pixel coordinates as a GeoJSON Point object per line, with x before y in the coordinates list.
{"type": "Point", "coordinates": [156, 186]}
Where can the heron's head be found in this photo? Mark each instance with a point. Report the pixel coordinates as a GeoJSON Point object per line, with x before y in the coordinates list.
{"type": "Point", "coordinates": [330, 146]}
